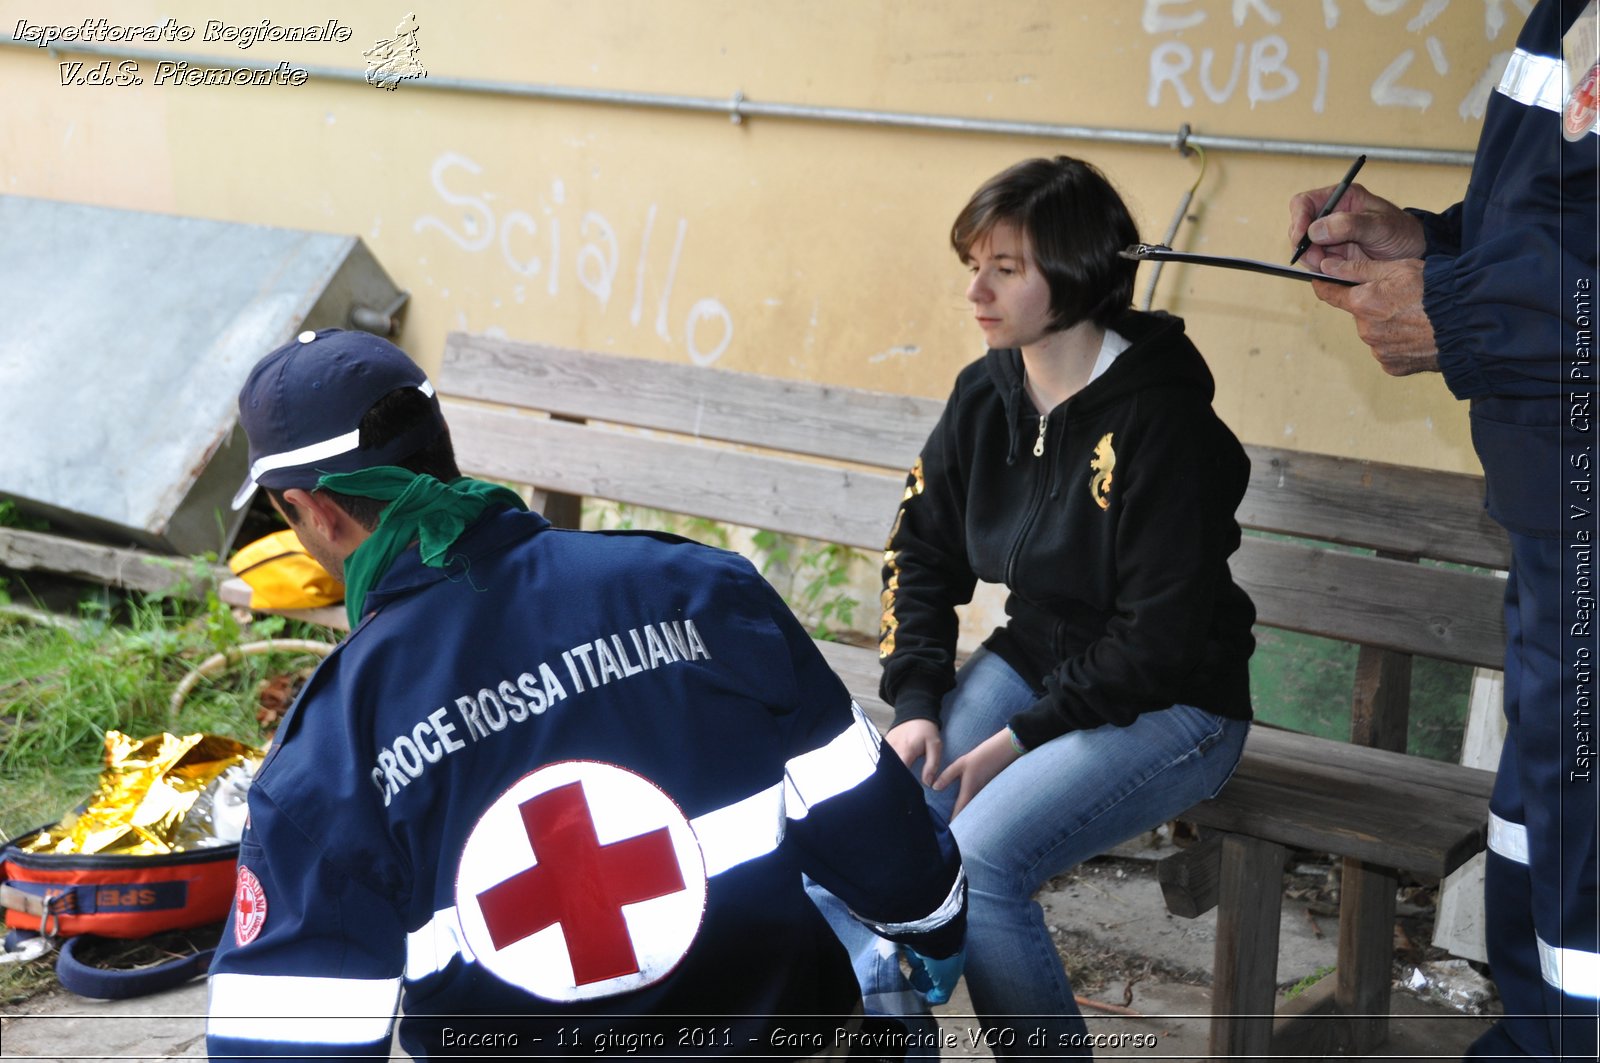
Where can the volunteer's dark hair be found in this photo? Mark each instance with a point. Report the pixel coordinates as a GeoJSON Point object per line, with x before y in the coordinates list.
{"type": "Point", "coordinates": [1075, 222]}
{"type": "Point", "coordinates": [389, 417]}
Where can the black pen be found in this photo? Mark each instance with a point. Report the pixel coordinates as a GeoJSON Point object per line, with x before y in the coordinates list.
{"type": "Point", "coordinates": [1327, 208]}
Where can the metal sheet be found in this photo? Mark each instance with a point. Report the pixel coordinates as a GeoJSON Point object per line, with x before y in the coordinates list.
{"type": "Point", "coordinates": [126, 336]}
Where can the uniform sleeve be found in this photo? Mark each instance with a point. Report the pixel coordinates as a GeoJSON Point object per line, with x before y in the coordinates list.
{"type": "Point", "coordinates": [1505, 311]}
{"type": "Point", "coordinates": [856, 816]}
{"type": "Point", "coordinates": [310, 963]}
{"type": "Point", "coordinates": [1174, 535]}
{"type": "Point", "coordinates": [1441, 233]}
{"type": "Point", "coordinates": [925, 576]}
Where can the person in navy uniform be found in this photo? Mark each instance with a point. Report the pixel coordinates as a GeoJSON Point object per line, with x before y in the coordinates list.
{"type": "Point", "coordinates": [1496, 294]}
{"type": "Point", "coordinates": [555, 792]}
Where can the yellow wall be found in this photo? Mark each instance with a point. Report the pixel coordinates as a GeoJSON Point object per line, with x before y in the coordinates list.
{"type": "Point", "coordinates": [794, 248]}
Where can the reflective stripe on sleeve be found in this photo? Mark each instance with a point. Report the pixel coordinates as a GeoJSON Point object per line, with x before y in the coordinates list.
{"type": "Point", "coordinates": [430, 947]}
{"type": "Point", "coordinates": [841, 765]}
{"type": "Point", "coordinates": [1572, 971]}
{"type": "Point", "coordinates": [1508, 839]}
{"type": "Point", "coordinates": [302, 1010]}
{"type": "Point", "coordinates": [1537, 81]}
{"type": "Point", "coordinates": [742, 831]}
{"type": "Point", "coordinates": [946, 911]}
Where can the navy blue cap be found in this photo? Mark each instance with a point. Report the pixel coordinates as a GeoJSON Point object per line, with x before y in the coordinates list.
{"type": "Point", "coordinates": [302, 405]}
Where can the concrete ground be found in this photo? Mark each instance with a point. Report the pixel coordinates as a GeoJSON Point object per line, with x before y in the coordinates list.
{"type": "Point", "coordinates": [1109, 920]}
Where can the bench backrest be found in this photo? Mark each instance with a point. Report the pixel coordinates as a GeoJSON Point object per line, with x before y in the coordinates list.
{"type": "Point", "coordinates": [829, 463]}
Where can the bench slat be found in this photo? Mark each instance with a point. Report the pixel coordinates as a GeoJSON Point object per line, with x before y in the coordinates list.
{"type": "Point", "coordinates": [1394, 508]}
{"type": "Point", "coordinates": [816, 501]}
{"type": "Point", "coordinates": [1310, 753]}
{"type": "Point", "coordinates": [1391, 825]}
{"type": "Point", "coordinates": [848, 424]}
{"type": "Point", "coordinates": [1395, 605]}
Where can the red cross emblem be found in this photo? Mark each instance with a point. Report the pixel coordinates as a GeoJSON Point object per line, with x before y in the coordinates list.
{"type": "Point", "coordinates": [614, 893]}
{"type": "Point", "coordinates": [250, 906]}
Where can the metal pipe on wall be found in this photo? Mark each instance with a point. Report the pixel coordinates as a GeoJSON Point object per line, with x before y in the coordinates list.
{"type": "Point", "coordinates": [737, 108]}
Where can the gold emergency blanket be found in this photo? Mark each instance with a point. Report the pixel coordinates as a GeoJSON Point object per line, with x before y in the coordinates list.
{"type": "Point", "coordinates": [160, 794]}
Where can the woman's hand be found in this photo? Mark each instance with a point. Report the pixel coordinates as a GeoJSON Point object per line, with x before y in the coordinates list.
{"type": "Point", "coordinates": [977, 768]}
{"type": "Point", "coordinates": [916, 739]}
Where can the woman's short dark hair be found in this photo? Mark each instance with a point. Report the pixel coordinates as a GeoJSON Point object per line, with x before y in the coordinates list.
{"type": "Point", "coordinates": [1075, 223]}
{"type": "Point", "coordinates": [393, 414]}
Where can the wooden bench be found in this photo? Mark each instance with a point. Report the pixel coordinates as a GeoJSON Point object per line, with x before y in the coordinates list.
{"type": "Point", "coordinates": [828, 463]}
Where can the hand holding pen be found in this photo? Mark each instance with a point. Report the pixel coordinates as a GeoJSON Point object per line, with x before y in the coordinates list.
{"type": "Point", "coordinates": [1328, 204]}
{"type": "Point", "coordinates": [1345, 221]}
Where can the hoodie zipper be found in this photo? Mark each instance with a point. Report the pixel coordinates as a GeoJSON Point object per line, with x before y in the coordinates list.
{"type": "Point", "coordinates": [1041, 489]}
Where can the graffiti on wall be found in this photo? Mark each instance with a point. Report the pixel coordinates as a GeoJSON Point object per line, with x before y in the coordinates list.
{"type": "Point", "coordinates": [1262, 68]}
{"type": "Point", "coordinates": [528, 244]}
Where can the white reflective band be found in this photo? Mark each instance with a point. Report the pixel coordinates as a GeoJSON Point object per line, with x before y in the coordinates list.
{"type": "Point", "coordinates": [328, 1011]}
{"type": "Point", "coordinates": [312, 453]}
{"type": "Point", "coordinates": [844, 763]}
{"type": "Point", "coordinates": [306, 455]}
{"type": "Point", "coordinates": [948, 910]}
{"type": "Point", "coordinates": [1572, 971]}
{"type": "Point", "coordinates": [741, 831]}
{"type": "Point", "coordinates": [1508, 839]}
{"type": "Point", "coordinates": [1538, 81]}
{"type": "Point", "coordinates": [1535, 80]}
{"type": "Point", "coordinates": [430, 947]}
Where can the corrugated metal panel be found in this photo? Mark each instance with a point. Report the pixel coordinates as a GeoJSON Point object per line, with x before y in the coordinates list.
{"type": "Point", "coordinates": [124, 339]}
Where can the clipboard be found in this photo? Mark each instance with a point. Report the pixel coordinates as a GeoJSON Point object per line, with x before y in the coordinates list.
{"type": "Point", "coordinates": [1163, 253]}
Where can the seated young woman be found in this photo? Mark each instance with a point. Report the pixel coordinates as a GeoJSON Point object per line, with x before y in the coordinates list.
{"type": "Point", "coordinates": [1080, 464]}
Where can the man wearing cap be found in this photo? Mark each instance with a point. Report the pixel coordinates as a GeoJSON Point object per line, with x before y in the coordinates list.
{"type": "Point", "coordinates": [555, 792]}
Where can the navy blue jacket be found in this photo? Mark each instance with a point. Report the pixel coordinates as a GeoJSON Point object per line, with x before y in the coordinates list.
{"type": "Point", "coordinates": [1509, 277]}
{"type": "Point", "coordinates": [569, 782]}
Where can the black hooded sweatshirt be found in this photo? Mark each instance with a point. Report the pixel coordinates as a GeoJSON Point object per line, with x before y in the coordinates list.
{"type": "Point", "coordinates": [1110, 520]}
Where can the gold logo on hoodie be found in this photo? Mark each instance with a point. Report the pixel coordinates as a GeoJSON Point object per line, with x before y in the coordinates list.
{"type": "Point", "coordinates": [1103, 462]}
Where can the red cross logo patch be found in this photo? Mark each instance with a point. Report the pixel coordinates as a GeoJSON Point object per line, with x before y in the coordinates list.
{"type": "Point", "coordinates": [250, 906]}
{"type": "Point", "coordinates": [583, 880]}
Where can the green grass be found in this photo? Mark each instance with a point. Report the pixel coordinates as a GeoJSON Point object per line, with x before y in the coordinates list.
{"type": "Point", "coordinates": [114, 666]}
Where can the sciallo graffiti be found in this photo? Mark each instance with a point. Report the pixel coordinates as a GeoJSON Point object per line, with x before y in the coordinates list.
{"type": "Point", "coordinates": [530, 248]}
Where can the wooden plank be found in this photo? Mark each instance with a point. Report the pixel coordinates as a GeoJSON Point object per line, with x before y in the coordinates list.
{"type": "Point", "coordinates": [1397, 508]}
{"type": "Point", "coordinates": [1191, 878]}
{"type": "Point", "coordinates": [1380, 704]}
{"type": "Point", "coordinates": [849, 424]}
{"type": "Point", "coordinates": [1408, 828]}
{"type": "Point", "coordinates": [1366, 951]}
{"type": "Point", "coordinates": [1418, 609]}
{"type": "Point", "coordinates": [134, 570]}
{"type": "Point", "coordinates": [779, 494]}
{"type": "Point", "coordinates": [1245, 961]}
{"type": "Point", "coordinates": [1410, 608]}
{"type": "Point", "coordinates": [1327, 756]}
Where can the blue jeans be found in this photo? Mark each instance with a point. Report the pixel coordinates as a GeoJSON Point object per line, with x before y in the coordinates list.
{"type": "Point", "coordinates": [1072, 798]}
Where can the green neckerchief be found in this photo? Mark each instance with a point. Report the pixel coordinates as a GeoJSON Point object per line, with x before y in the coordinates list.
{"type": "Point", "coordinates": [421, 509]}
